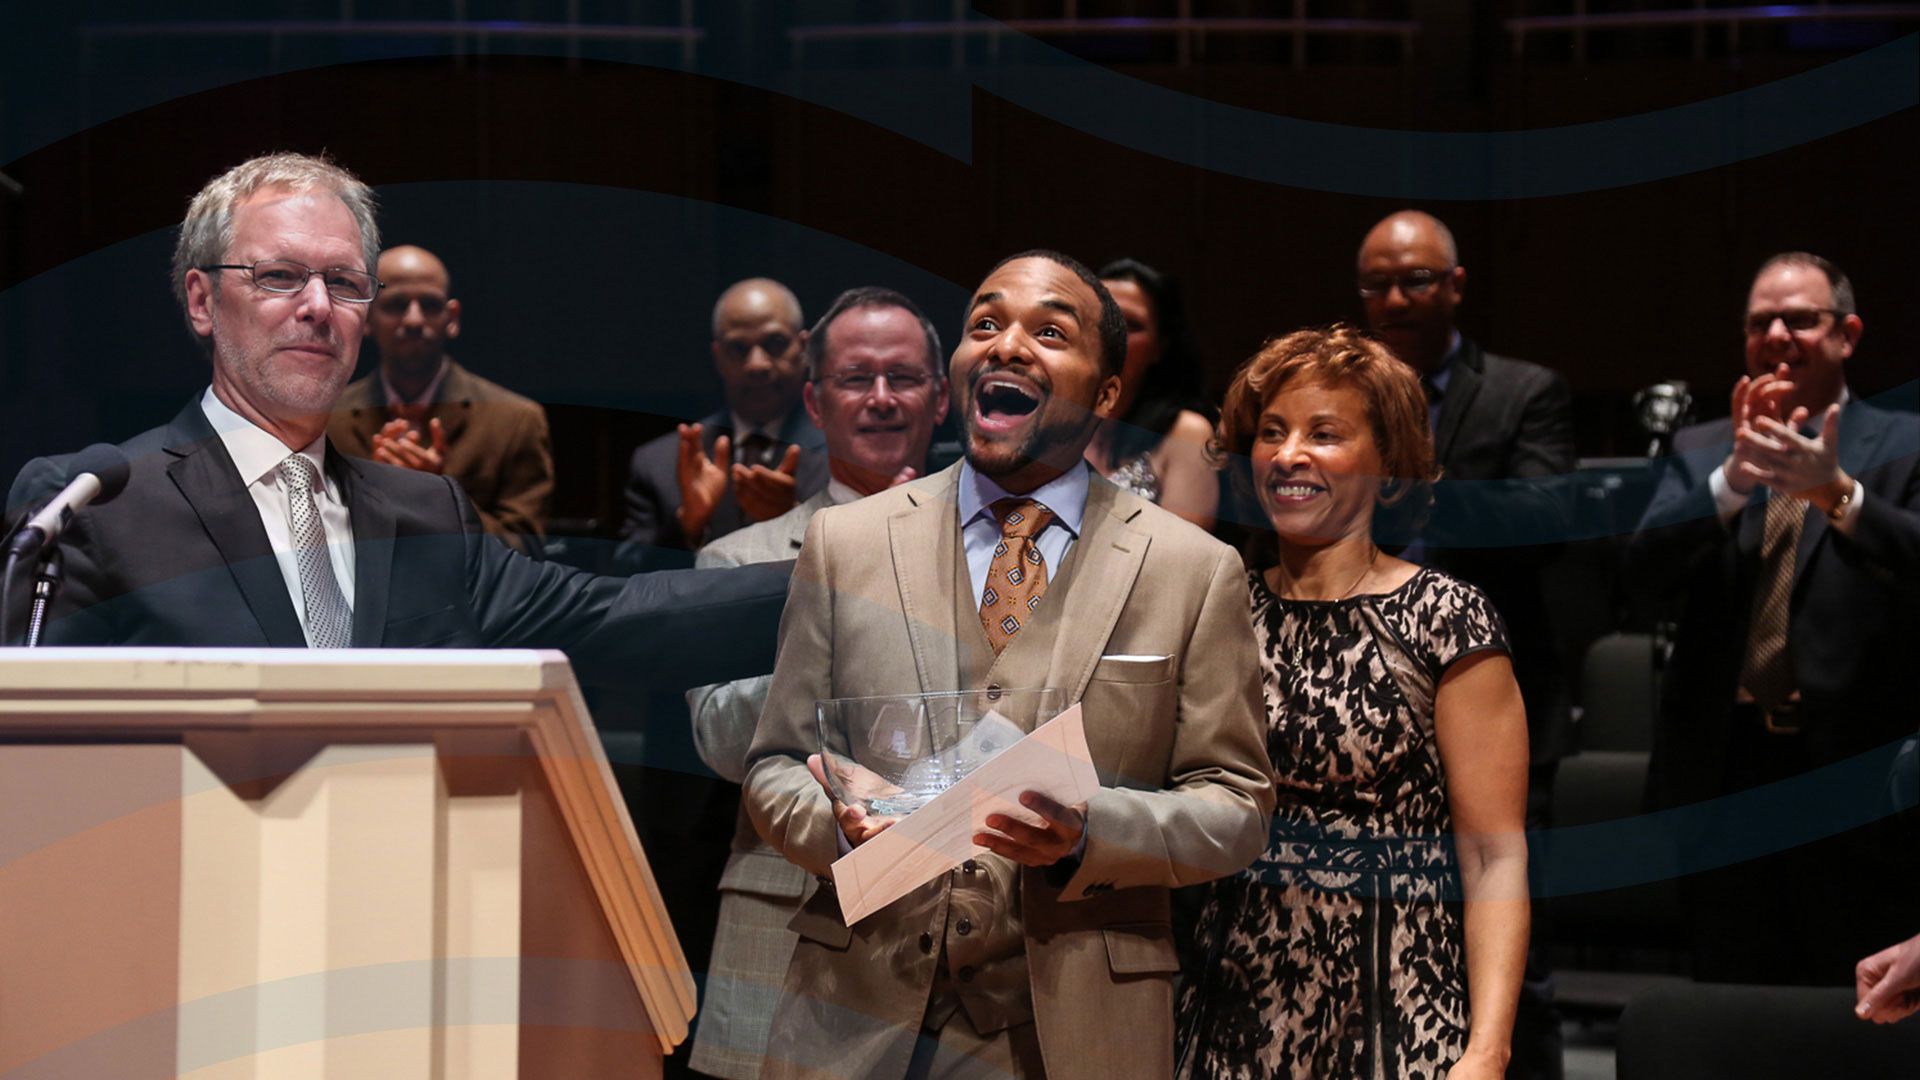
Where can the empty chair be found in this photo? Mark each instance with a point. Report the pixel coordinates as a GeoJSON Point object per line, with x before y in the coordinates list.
{"type": "Point", "coordinates": [1706, 1031]}
{"type": "Point", "coordinates": [1618, 694]}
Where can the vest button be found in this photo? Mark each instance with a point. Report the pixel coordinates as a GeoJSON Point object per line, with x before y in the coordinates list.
{"type": "Point", "coordinates": [926, 943]}
{"type": "Point", "coordinates": [969, 867]}
{"type": "Point", "coordinates": [966, 974]}
{"type": "Point", "coordinates": [993, 693]}
{"type": "Point", "coordinates": [964, 926]}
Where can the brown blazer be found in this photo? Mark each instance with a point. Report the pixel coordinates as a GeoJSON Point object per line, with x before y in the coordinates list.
{"type": "Point", "coordinates": [498, 449]}
{"type": "Point", "coordinates": [1179, 743]}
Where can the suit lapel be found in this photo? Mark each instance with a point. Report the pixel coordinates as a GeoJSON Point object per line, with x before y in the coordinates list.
{"type": "Point", "coordinates": [788, 547]}
{"type": "Point", "coordinates": [1098, 577]}
{"type": "Point", "coordinates": [207, 479]}
{"type": "Point", "coordinates": [453, 403]}
{"type": "Point", "coordinates": [363, 416]}
{"type": "Point", "coordinates": [373, 532]}
{"type": "Point", "coordinates": [924, 540]}
{"type": "Point", "coordinates": [1463, 385]}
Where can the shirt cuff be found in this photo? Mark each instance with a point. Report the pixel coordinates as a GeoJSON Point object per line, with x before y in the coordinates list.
{"type": "Point", "coordinates": [1726, 502]}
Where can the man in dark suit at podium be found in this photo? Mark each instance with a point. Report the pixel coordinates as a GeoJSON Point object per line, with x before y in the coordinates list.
{"type": "Point", "coordinates": [241, 527]}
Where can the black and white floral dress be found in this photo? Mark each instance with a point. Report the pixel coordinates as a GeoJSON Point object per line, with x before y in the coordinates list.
{"type": "Point", "coordinates": [1340, 952]}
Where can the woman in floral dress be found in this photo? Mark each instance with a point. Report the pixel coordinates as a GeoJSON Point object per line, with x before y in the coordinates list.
{"type": "Point", "coordinates": [1399, 744]}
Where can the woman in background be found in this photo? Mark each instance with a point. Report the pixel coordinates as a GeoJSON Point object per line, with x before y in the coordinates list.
{"type": "Point", "coordinates": [1399, 747]}
{"type": "Point", "coordinates": [1157, 448]}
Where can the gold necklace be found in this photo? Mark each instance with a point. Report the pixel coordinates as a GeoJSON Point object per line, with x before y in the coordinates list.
{"type": "Point", "coordinates": [1286, 583]}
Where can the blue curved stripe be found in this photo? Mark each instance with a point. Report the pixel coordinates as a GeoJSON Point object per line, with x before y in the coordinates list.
{"type": "Point", "coordinates": [1595, 156]}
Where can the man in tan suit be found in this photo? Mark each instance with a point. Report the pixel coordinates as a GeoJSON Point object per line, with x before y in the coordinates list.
{"type": "Point", "coordinates": [422, 411]}
{"type": "Point", "coordinates": [1052, 955]}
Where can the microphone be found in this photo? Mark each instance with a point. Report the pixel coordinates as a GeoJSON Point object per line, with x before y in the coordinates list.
{"type": "Point", "coordinates": [1663, 409]}
{"type": "Point", "coordinates": [99, 473]}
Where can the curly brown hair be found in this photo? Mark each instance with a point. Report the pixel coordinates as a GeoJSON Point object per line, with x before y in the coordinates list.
{"type": "Point", "coordinates": [1339, 356]}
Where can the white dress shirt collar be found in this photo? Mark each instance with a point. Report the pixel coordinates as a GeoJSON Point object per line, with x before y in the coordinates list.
{"type": "Point", "coordinates": [426, 396]}
{"type": "Point", "coordinates": [1065, 495]}
{"type": "Point", "coordinates": [254, 452]}
{"type": "Point", "coordinates": [841, 494]}
{"type": "Point", "coordinates": [742, 429]}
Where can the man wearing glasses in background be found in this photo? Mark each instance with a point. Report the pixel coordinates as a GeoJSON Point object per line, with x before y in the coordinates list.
{"type": "Point", "coordinates": [1502, 430]}
{"type": "Point", "coordinates": [1790, 535]}
{"type": "Point", "coordinates": [876, 390]}
{"type": "Point", "coordinates": [421, 410]}
{"type": "Point", "coordinates": [239, 526]}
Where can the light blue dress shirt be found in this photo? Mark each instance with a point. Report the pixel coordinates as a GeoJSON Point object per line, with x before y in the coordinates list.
{"type": "Point", "coordinates": [1065, 495]}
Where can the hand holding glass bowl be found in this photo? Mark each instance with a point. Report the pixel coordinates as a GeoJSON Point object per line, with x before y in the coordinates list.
{"type": "Point", "coordinates": [881, 758]}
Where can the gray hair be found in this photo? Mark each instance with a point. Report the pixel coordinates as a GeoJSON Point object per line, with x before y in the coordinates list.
{"type": "Point", "coordinates": [868, 296]}
{"type": "Point", "coordinates": [207, 233]}
{"type": "Point", "coordinates": [1840, 285]}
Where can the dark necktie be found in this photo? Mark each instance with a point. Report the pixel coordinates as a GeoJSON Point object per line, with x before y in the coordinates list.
{"type": "Point", "coordinates": [1018, 577]}
{"type": "Point", "coordinates": [1767, 673]}
{"type": "Point", "coordinates": [759, 449]}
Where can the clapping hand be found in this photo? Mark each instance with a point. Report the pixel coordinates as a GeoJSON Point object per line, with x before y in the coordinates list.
{"type": "Point", "coordinates": [703, 480]}
{"type": "Point", "coordinates": [766, 493]}
{"type": "Point", "coordinates": [1777, 455]}
{"type": "Point", "coordinates": [397, 443]}
{"type": "Point", "coordinates": [1753, 400]}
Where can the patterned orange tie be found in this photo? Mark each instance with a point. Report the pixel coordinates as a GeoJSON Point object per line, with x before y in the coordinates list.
{"type": "Point", "coordinates": [1018, 577]}
{"type": "Point", "coordinates": [1768, 671]}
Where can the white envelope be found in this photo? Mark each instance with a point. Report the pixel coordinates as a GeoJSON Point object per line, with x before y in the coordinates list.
{"type": "Point", "coordinates": [1053, 760]}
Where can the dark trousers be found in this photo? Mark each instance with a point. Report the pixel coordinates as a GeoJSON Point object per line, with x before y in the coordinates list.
{"type": "Point", "coordinates": [1805, 914]}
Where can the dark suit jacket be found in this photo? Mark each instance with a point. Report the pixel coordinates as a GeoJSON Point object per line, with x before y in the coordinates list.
{"type": "Point", "coordinates": [650, 534]}
{"type": "Point", "coordinates": [1855, 614]}
{"type": "Point", "coordinates": [1504, 439]}
{"type": "Point", "coordinates": [181, 558]}
{"type": "Point", "coordinates": [498, 448]}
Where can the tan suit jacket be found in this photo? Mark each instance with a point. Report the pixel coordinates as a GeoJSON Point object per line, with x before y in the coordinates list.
{"type": "Point", "coordinates": [498, 448]}
{"type": "Point", "coordinates": [1180, 746]}
{"type": "Point", "coordinates": [759, 890]}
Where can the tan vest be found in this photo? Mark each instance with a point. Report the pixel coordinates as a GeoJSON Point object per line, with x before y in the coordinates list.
{"type": "Point", "coordinates": [983, 963]}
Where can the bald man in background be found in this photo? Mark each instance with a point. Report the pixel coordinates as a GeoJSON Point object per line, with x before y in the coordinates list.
{"type": "Point", "coordinates": [750, 461]}
{"type": "Point", "coordinates": [1502, 433]}
{"type": "Point", "coordinates": [423, 411]}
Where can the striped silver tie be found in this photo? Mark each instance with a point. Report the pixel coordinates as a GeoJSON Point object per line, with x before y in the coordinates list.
{"type": "Point", "coordinates": [329, 619]}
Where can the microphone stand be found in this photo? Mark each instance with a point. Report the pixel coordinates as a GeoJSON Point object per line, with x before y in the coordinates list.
{"type": "Point", "coordinates": [46, 582]}
{"type": "Point", "coordinates": [46, 567]}
{"type": "Point", "coordinates": [6, 586]}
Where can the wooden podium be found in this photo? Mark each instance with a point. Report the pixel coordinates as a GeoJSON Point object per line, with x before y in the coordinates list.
{"type": "Point", "coordinates": [256, 863]}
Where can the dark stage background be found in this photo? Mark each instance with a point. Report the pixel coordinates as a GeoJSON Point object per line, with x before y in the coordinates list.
{"type": "Point", "coordinates": [592, 196]}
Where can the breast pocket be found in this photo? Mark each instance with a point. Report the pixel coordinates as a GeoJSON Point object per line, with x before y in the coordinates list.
{"type": "Point", "coordinates": [1131, 704]}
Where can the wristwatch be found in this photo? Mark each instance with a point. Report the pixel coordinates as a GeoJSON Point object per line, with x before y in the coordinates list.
{"type": "Point", "coordinates": [1839, 507]}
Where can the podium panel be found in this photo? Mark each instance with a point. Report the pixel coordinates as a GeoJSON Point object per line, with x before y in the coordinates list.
{"type": "Point", "coordinates": [240, 864]}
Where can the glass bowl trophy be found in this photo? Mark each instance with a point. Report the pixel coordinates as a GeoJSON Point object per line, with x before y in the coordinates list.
{"type": "Point", "coordinates": [891, 755]}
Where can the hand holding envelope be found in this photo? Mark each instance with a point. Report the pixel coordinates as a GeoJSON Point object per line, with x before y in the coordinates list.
{"type": "Point", "coordinates": [992, 809]}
